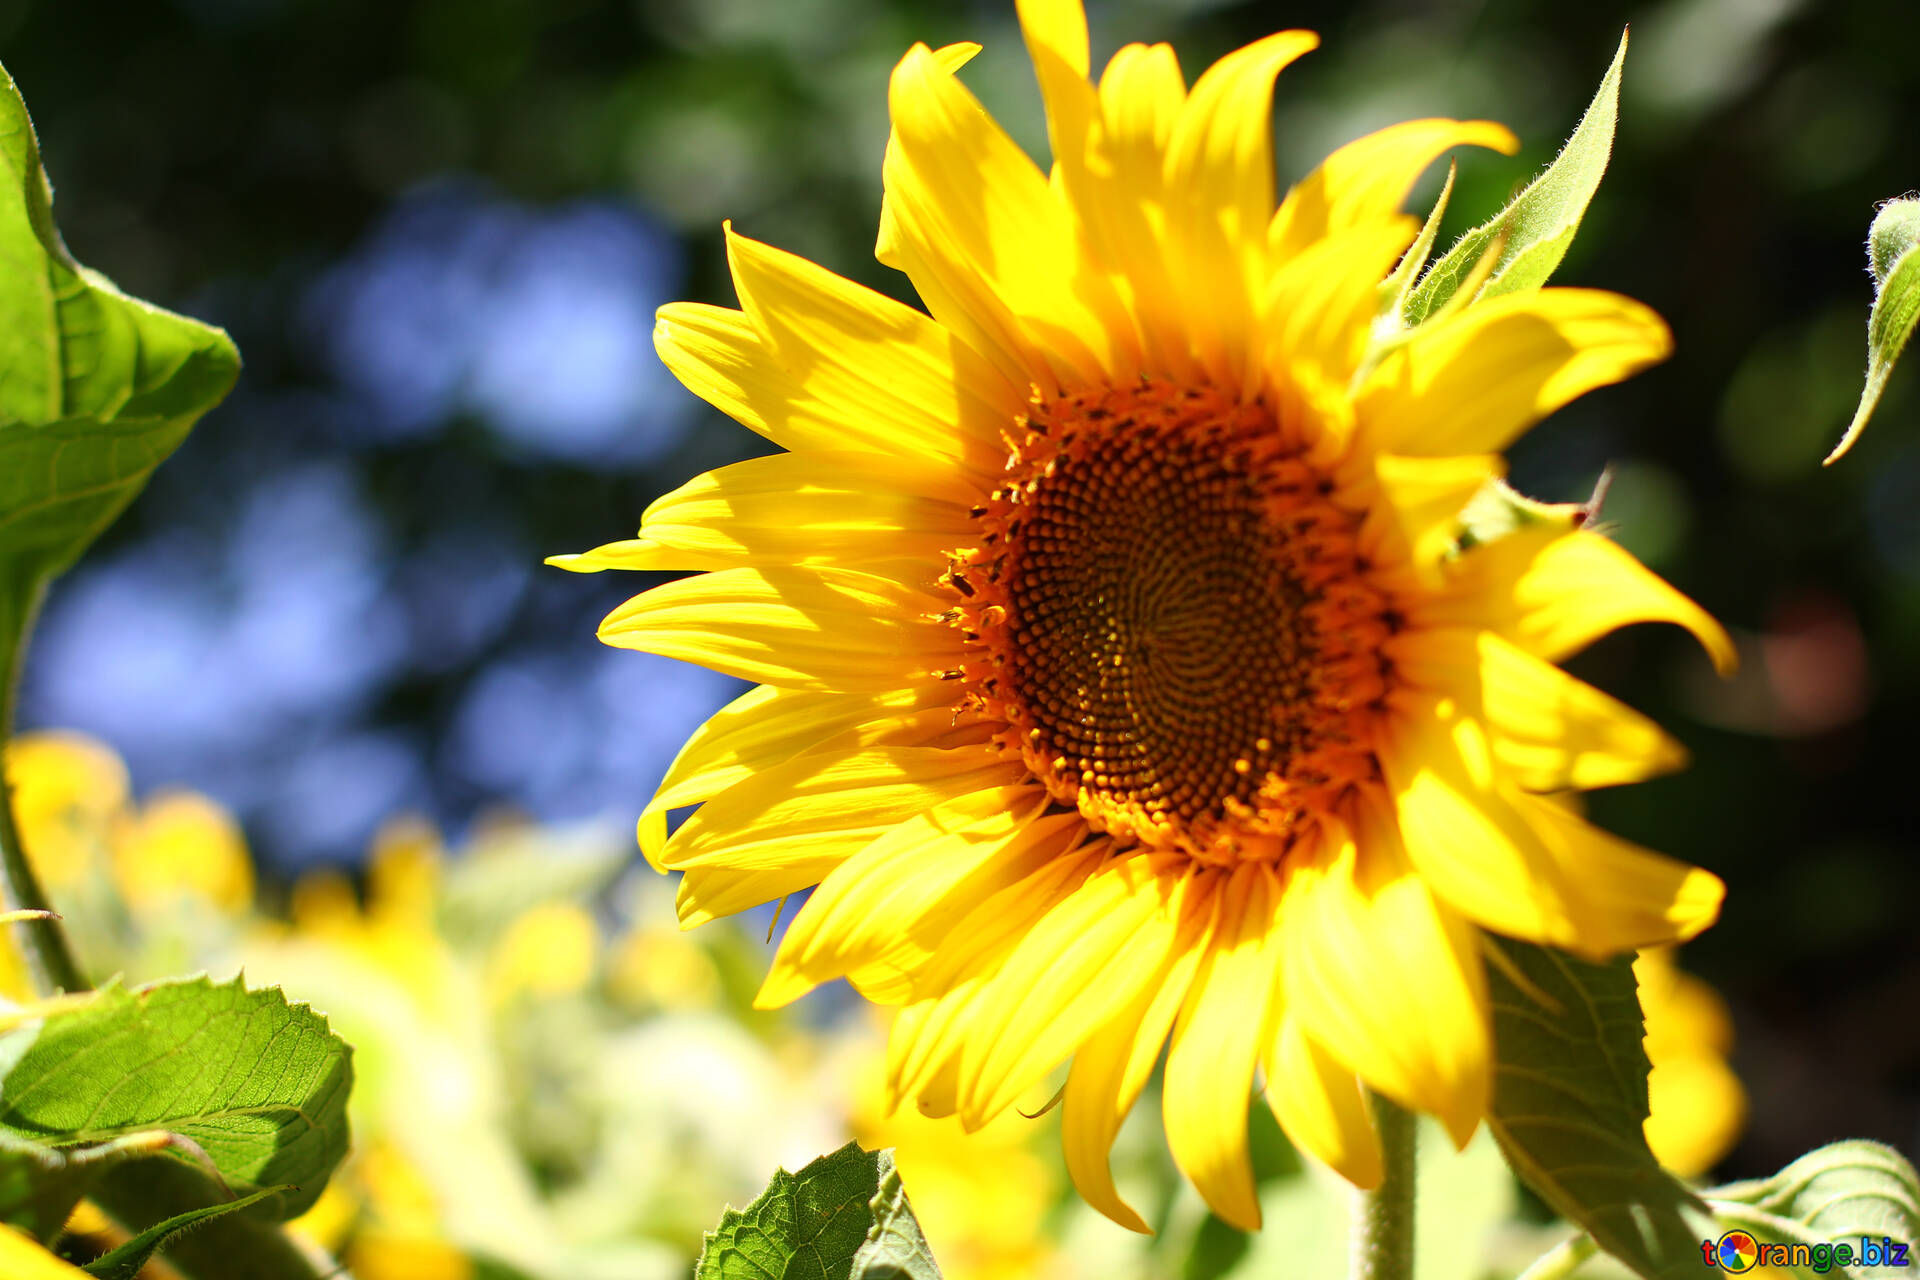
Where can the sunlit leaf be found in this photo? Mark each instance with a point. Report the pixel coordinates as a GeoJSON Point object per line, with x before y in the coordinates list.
{"type": "Point", "coordinates": [259, 1086]}
{"type": "Point", "coordinates": [1539, 224]}
{"type": "Point", "coordinates": [814, 1224]}
{"type": "Point", "coordinates": [1570, 1103]}
{"type": "Point", "coordinates": [96, 388]}
{"type": "Point", "coordinates": [895, 1248]}
{"type": "Point", "coordinates": [1850, 1191]}
{"type": "Point", "coordinates": [1893, 253]}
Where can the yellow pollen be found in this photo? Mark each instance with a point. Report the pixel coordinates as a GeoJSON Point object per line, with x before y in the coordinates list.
{"type": "Point", "coordinates": [1170, 606]}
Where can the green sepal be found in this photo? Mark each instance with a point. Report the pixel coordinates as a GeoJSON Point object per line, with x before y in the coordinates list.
{"type": "Point", "coordinates": [1497, 509]}
{"type": "Point", "coordinates": [1540, 223]}
{"type": "Point", "coordinates": [125, 1262]}
{"type": "Point", "coordinates": [1893, 254]}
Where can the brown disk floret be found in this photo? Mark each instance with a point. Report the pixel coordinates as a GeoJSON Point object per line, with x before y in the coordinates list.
{"type": "Point", "coordinates": [1172, 620]}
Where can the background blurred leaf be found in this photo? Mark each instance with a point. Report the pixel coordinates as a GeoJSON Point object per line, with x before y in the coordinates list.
{"type": "Point", "coordinates": [125, 1262]}
{"type": "Point", "coordinates": [260, 1085]}
{"type": "Point", "coordinates": [96, 388]}
{"type": "Point", "coordinates": [1893, 253]}
{"type": "Point", "coordinates": [814, 1224]}
{"type": "Point", "coordinates": [1570, 1100]}
{"type": "Point", "coordinates": [487, 891]}
{"type": "Point", "coordinates": [1540, 223]}
{"type": "Point", "coordinates": [1839, 1192]}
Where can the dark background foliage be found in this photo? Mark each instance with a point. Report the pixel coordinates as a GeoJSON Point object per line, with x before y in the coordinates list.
{"type": "Point", "coordinates": [438, 230]}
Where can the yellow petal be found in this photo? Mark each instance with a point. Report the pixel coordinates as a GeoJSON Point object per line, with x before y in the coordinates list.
{"type": "Point", "coordinates": [898, 381]}
{"type": "Point", "coordinates": [812, 508]}
{"type": "Point", "coordinates": [835, 629]}
{"type": "Point", "coordinates": [1319, 1104]}
{"type": "Point", "coordinates": [1120, 199]}
{"type": "Point", "coordinates": [1076, 967]}
{"type": "Point", "coordinates": [1554, 591]}
{"type": "Point", "coordinates": [1113, 1065]}
{"type": "Point", "coordinates": [988, 247]}
{"type": "Point", "coordinates": [1417, 519]}
{"type": "Point", "coordinates": [768, 726]}
{"type": "Point", "coordinates": [638, 554]}
{"type": "Point", "coordinates": [22, 1258]}
{"type": "Point", "coordinates": [828, 804]}
{"type": "Point", "coordinates": [1320, 305]}
{"type": "Point", "coordinates": [1368, 179]}
{"type": "Point", "coordinates": [722, 357]}
{"type": "Point", "coordinates": [896, 900]}
{"type": "Point", "coordinates": [1058, 27]}
{"type": "Point", "coordinates": [1218, 175]}
{"type": "Point", "coordinates": [1141, 96]}
{"type": "Point", "coordinates": [708, 893]}
{"type": "Point", "coordinates": [1474, 382]}
{"type": "Point", "coordinates": [1548, 731]}
{"type": "Point", "coordinates": [1389, 979]}
{"type": "Point", "coordinates": [1216, 1044]}
{"type": "Point", "coordinates": [1522, 865]}
{"type": "Point", "coordinates": [930, 1032]}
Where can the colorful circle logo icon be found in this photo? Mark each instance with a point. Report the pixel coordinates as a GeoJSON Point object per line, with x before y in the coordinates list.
{"type": "Point", "coordinates": [1737, 1252]}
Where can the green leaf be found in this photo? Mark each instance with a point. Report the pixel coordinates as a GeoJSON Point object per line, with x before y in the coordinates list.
{"type": "Point", "coordinates": [125, 1262]}
{"type": "Point", "coordinates": [40, 1185]}
{"type": "Point", "coordinates": [96, 388]}
{"type": "Point", "coordinates": [814, 1224]}
{"type": "Point", "coordinates": [1570, 1100]}
{"type": "Point", "coordinates": [1893, 253]}
{"type": "Point", "coordinates": [1541, 221]}
{"type": "Point", "coordinates": [895, 1248]}
{"type": "Point", "coordinates": [1840, 1192]}
{"type": "Point", "coordinates": [259, 1085]}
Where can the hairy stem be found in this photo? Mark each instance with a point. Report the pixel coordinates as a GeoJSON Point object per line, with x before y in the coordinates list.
{"type": "Point", "coordinates": [48, 952]}
{"type": "Point", "coordinates": [1383, 1217]}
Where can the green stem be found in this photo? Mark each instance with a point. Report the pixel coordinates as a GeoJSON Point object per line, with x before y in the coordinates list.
{"type": "Point", "coordinates": [55, 969]}
{"type": "Point", "coordinates": [1383, 1217]}
{"type": "Point", "coordinates": [1563, 1260]}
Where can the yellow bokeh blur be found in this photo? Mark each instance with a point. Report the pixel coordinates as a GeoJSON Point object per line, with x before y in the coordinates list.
{"type": "Point", "coordinates": [981, 1198]}
{"type": "Point", "coordinates": [551, 950]}
{"type": "Point", "coordinates": [70, 798]}
{"type": "Point", "coordinates": [181, 844]}
{"type": "Point", "coordinates": [1697, 1106]}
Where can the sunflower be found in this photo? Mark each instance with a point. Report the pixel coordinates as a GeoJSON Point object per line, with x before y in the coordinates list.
{"type": "Point", "coordinates": [1124, 677]}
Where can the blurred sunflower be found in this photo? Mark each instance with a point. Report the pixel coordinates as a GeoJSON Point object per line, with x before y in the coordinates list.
{"type": "Point", "coordinates": [1124, 677]}
{"type": "Point", "coordinates": [1697, 1106]}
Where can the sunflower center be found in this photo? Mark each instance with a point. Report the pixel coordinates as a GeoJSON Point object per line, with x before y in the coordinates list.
{"type": "Point", "coordinates": [1172, 619]}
